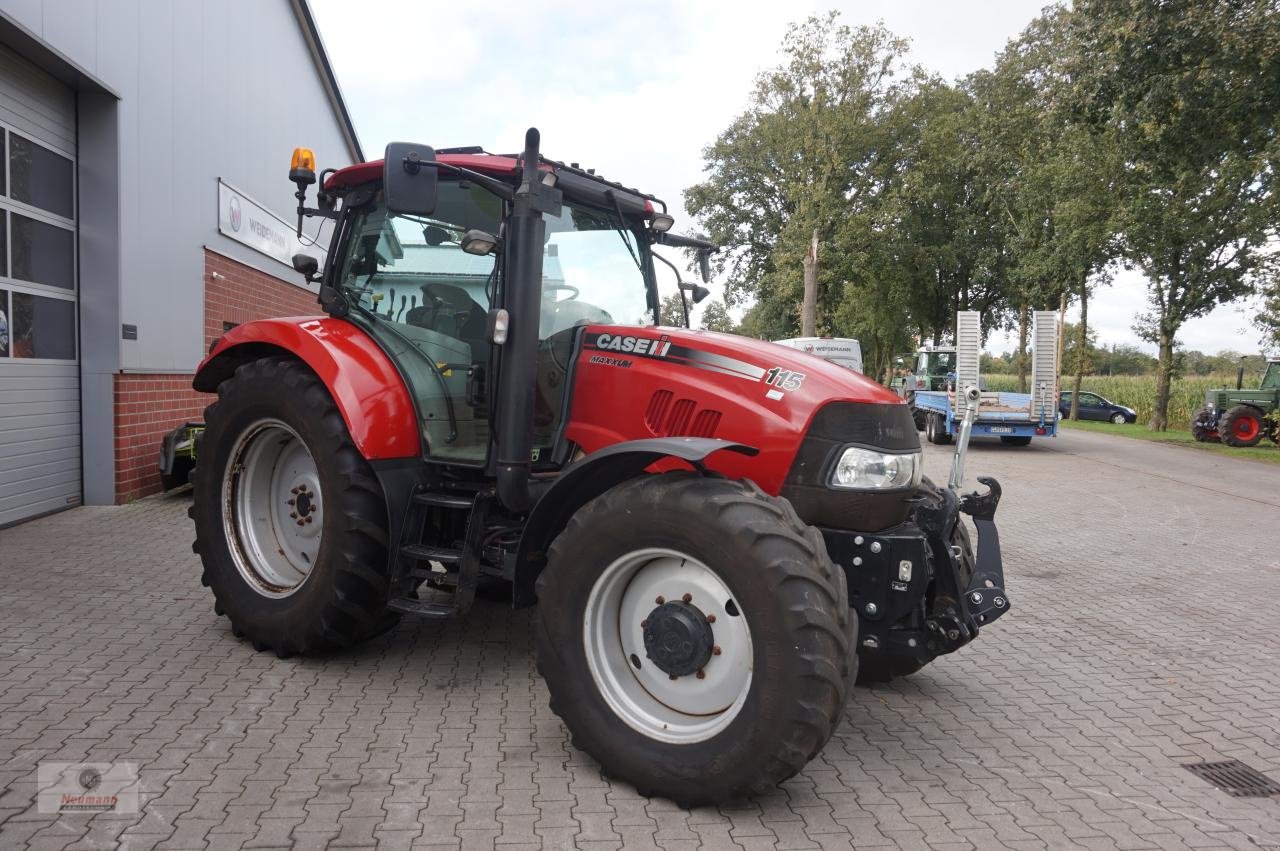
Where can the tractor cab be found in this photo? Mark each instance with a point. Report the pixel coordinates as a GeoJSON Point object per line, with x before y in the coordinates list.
{"type": "Point", "coordinates": [410, 281]}
{"type": "Point", "coordinates": [1271, 378]}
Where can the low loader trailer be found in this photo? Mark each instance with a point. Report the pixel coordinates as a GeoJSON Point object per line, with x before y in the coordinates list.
{"type": "Point", "coordinates": [1015, 418]}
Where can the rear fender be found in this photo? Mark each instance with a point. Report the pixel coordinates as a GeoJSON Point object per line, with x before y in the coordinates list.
{"type": "Point", "coordinates": [588, 478]}
{"type": "Point", "coordinates": [365, 384]}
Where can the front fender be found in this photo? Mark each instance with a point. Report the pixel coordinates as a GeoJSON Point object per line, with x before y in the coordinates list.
{"type": "Point", "coordinates": [365, 384]}
{"type": "Point", "coordinates": [588, 478]}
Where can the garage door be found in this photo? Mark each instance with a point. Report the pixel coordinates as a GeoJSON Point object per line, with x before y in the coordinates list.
{"type": "Point", "coordinates": [39, 370]}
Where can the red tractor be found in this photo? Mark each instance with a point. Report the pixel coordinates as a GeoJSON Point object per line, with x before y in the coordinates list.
{"type": "Point", "coordinates": [717, 531]}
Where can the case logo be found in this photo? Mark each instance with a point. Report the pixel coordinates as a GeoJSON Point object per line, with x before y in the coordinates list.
{"type": "Point", "coordinates": [634, 345]}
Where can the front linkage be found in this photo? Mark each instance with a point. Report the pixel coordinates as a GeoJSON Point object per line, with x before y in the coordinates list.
{"type": "Point", "coordinates": [919, 589]}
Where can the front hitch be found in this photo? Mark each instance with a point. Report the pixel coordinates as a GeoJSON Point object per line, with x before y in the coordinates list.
{"type": "Point", "coordinates": [985, 598]}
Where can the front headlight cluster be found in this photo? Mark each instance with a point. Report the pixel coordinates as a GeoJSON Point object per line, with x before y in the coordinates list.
{"type": "Point", "coordinates": [870, 470]}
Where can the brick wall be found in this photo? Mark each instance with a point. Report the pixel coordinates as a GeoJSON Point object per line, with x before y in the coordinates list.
{"type": "Point", "coordinates": [147, 405]}
{"type": "Point", "coordinates": [236, 293]}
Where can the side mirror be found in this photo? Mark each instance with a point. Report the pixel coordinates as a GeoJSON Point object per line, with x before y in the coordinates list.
{"type": "Point", "coordinates": [409, 179]}
{"type": "Point", "coordinates": [696, 293]}
{"type": "Point", "coordinates": [306, 265]}
{"type": "Point", "coordinates": [704, 266]}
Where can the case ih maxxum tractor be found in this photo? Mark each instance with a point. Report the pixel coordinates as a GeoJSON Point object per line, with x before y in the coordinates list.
{"type": "Point", "coordinates": [717, 532]}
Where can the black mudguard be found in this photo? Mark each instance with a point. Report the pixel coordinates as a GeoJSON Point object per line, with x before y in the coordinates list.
{"type": "Point", "coordinates": [586, 479]}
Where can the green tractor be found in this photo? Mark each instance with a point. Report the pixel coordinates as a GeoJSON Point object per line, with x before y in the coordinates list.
{"type": "Point", "coordinates": [1241, 417]}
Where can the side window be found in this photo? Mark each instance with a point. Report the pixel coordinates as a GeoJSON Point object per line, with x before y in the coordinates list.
{"type": "Point", "coordinates": [425, 300]}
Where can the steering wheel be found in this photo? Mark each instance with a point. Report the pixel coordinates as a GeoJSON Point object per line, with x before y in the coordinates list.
{"type": "Point", "coordinates": [550, 288]}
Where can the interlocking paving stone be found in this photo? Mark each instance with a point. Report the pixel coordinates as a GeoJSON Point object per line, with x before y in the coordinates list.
{"type": "Point", "coordinates": [1142, 637]}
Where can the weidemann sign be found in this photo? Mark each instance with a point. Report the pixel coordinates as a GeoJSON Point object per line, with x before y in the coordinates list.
{"type": "Point", "coordinates": [248, 222]}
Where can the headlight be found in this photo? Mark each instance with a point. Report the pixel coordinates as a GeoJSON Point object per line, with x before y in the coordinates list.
{"type": "Point", "coordinates": [867, 469]}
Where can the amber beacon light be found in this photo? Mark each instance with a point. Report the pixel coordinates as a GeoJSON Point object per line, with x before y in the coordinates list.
{"type": "Point", "coordinates": [302, 168]}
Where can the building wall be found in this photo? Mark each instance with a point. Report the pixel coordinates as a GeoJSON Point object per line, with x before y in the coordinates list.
{"type": "Point", "coordinates": [207, 90]}
{"type": "Point", "coordinates": [173, 95]}
{"type": "Point", "coordinates": [147, 405]}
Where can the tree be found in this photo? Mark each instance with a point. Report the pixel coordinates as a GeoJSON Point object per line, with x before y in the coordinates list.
{"type": "Point", "coordinates": [1190, 92]}
{"type": "Point", "coordinates": [671, 310]}
{"type": "Point", "coordinates": [715, 317]}
{"type": "Point", "coordinates": [799, 160]}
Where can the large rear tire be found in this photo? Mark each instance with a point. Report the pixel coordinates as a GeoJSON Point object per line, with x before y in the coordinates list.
{"type": "Point", "coordinates": [643, 587]}
{"type": "Point", "coordinates": [291, 525]}
{"type": "Point", "coordinates": [1243, 425]}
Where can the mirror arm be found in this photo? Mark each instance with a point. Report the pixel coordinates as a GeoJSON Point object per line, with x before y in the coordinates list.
{"type": "Point", "coordinates": [680, 285]}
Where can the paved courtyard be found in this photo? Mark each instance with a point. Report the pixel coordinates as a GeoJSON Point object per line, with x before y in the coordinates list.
{"type": "Point", "coordinates": [1145, 635]}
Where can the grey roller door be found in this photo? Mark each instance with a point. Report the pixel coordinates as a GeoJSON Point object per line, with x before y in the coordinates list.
{"type": "Point", "coordinates": [39, 368]}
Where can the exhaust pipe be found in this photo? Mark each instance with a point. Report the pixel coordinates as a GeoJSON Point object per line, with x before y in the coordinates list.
{"type": "Point", "coordinates": [1240, 374]}
{"type": "Point", "coordinates": [522, 300]}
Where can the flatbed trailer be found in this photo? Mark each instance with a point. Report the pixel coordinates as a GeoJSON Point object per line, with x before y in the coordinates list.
{"type": "Point", "coordinates": [1013, 417]}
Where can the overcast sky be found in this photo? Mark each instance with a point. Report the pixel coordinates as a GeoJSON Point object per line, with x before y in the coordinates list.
{"type": "Point", "coordinates": [636, 91]}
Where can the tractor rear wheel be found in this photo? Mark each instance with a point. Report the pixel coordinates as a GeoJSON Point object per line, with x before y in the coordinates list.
{"type": "Point", "coordinates": [290, 521]}
{"type": "Point", "coordinates": [695, 637]}
{"type": "Point", "coordinates": [1241, 426]}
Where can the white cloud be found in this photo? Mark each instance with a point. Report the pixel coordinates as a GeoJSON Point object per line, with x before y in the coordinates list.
{"type": "Point", "coordinates": [635, 91]}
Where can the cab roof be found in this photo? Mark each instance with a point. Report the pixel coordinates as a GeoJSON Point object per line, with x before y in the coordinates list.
{"type": "Point", "coordinates": [354, 175]}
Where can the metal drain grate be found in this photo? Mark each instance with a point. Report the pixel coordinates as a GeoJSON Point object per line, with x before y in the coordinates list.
{"type": "Point", "coordinates": [1235, 778]}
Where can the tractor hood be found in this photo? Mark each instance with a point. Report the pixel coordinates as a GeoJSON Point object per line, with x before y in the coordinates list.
{"type": "Point", "coordinates": [633, 383]}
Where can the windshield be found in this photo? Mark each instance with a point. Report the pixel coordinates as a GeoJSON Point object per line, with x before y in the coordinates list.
{"type": "Point", "coordinates": [591, 273]}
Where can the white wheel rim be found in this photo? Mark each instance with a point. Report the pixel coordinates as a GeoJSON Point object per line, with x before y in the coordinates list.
{"type": "Point", "coordinates": [687, 709]}
{"type": "Point", "coordinates": [272, 508]}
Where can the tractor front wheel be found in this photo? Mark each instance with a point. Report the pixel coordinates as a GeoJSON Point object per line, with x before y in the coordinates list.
{"type": "Point", "coordinates": [290, 521]}
{"type": "Point", "coordinates": [1203, 426]}
{"type": "Point", "coordinates": [1241, 426]}
{"type": "Point", "coordinates": [695, 637]}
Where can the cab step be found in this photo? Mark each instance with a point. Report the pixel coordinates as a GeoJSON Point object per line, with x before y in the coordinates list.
{"type": "Point", "coordinates": [422, 552]}
{"type": "Point", "coordinates": [439, 499]}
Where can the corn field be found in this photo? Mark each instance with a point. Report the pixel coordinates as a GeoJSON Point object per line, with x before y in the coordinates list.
{"type": "Point", "coordinates": [1138, 392]}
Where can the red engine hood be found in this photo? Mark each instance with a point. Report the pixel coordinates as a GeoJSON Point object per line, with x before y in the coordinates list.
{"type": "Point", "coordinates": [633, 383]}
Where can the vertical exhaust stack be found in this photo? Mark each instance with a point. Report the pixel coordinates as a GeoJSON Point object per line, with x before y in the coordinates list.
{"type": "Point", "coordinates": [520, 351]}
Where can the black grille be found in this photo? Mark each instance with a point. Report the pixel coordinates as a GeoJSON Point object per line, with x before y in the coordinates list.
{"type": "Point", "coordinates": [1235, 778]}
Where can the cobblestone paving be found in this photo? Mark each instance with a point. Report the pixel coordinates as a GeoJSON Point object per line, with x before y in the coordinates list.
{"type": "Point", "coordinates": [1145, 635]}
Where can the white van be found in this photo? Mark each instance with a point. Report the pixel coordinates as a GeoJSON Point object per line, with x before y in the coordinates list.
{"type": "Point", "coordinates": [841, 351]}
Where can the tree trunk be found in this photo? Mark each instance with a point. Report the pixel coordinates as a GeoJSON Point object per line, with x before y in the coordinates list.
{"type": "Point", "coordinates": [1082, 342]}
{"type": "Point", "coordinates": [809, 310]}
{"type": "Point", "coordinates": [1022, 348]}
{"type": "Point", "coordinates": [1164, 379]}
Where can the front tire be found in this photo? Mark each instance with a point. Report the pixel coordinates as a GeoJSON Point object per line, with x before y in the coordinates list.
{"type": "Point", "coordinates": [291, 525]}
{"type": "Point", "coordinates": [620, 645]}
{"type": "Point", "coordinates": [1119, 419]}
{"type": "Point", "coordinates": [1203, 426]}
